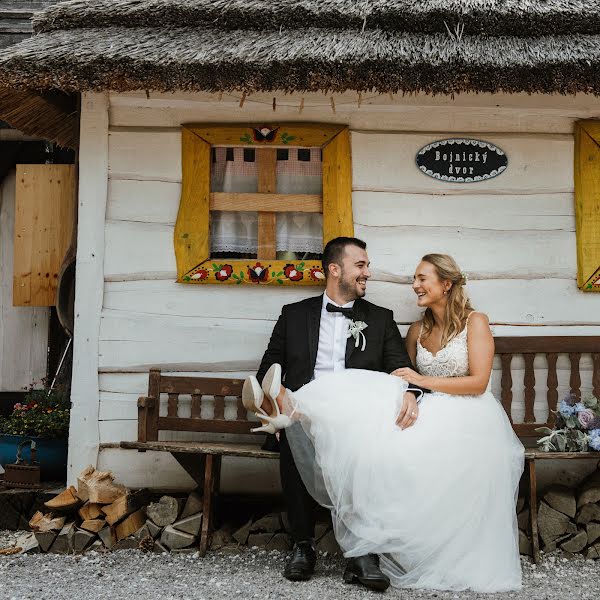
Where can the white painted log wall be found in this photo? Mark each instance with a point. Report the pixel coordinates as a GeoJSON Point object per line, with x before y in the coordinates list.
{"type": "Point", "coordinates": [23, 330]}
{"type": "Point", "coordinates": [514, 236]}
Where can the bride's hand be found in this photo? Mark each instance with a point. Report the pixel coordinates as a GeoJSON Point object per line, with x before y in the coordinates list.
{"type": "Point", "coordinates": [409, 375]}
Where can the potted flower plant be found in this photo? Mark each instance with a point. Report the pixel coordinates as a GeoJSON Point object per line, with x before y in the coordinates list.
{"type": "Point", "coordinates": [44, 417]}
{"type": "Point", "coordinates": [577, 427]}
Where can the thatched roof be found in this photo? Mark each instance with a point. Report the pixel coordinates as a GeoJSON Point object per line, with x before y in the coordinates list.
{"type": "Point", "coordinates": [437, 46]}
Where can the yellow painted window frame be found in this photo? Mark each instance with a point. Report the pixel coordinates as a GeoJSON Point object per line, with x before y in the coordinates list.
{"type": "Point", "coordinates": [587, 204]}
{"type": "Point", "coordinates": [192, 229]}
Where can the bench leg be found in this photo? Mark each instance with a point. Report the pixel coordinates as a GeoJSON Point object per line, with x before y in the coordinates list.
{"type": "Point", "coordinates": [533, 527]}
{"type": "Point", "coordinates": [212, 475]}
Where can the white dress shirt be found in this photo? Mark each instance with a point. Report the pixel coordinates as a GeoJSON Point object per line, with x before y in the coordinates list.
{"type": "Point", "coordinates": [333, 335]}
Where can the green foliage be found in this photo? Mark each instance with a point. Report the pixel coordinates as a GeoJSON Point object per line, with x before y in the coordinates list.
{"type": "Point", "coordinates": [42, 414]}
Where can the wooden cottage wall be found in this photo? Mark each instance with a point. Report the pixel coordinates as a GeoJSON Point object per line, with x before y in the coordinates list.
{"type": "Point", "coordinates": [514, 236]}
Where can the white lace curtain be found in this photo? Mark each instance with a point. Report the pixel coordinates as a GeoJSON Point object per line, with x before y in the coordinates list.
{"type": "Point", "coordinates": [298, 172]}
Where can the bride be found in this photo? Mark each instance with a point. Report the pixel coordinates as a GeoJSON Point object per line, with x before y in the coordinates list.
{"type": "Point", "coordinates": [436, 501]}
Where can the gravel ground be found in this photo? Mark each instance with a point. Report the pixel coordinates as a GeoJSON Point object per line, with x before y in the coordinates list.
{"type": "Point", "coordinates": [134, 575]}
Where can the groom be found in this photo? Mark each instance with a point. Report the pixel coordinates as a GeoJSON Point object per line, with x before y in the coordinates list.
{"type": "Point", "coordinates": [311, 339]}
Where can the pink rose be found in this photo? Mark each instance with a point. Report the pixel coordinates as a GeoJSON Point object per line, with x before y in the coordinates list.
{"type": "Point", "coordinates": [586, 417]}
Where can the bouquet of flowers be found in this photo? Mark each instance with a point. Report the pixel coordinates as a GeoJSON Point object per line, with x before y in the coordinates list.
{"type": "Point", "coordinates": [577, 427]}
{"type": "Point", "coordinates": [43, 414]}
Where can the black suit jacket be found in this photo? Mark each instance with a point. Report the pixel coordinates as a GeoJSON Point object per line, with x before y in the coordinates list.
{"type": "Point", "coordinates": [295, 340]}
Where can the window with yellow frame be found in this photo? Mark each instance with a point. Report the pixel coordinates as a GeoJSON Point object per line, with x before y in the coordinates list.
{"type": "Point", "coordinates": [192, 229]}
{"type": "Point", "coordinates": [587, 204]}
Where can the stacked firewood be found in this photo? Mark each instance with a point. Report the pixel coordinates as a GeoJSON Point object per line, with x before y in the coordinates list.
{"type": "Point", "coordinates": [569, 518]}
{"type": "Point", "coordinates": [103, 515]}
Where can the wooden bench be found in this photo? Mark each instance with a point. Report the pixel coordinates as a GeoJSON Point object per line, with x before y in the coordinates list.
{"type": "Point", "coordinates": [551, 347]}
{"type": "Point", "coordinates": [202, 460]}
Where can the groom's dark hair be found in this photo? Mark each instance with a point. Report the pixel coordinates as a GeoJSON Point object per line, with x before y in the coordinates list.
{"type": "Point", "coordinates": [335, 248]}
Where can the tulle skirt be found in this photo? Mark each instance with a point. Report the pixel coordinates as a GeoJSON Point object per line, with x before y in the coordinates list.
{"type": "Point", "coordinates": [436, 501]}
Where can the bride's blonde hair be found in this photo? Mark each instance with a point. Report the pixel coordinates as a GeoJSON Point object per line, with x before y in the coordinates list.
{"type": "Point", "coordinates": [458, 306]}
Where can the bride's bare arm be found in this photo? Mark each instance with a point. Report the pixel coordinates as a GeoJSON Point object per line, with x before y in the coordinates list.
{"type": "Point", "coordinates": [411, 341]}
{"type": "Point", "coordinates": [481, 354]}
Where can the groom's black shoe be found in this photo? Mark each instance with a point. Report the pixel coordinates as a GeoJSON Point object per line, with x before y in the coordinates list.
{"type": "Point", "coordinates": [365, 570]}
{"type": "Point", "coordinates": [302, 564]}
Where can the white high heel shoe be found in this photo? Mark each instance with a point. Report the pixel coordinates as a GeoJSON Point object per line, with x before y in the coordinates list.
{"type": "Point", "coordinates": [271, 386]}
{"type": "Point", "coordinates": [252, 399]}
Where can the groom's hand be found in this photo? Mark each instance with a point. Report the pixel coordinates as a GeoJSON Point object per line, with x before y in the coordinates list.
{"type": "Point", "coordinates": [409, 411]}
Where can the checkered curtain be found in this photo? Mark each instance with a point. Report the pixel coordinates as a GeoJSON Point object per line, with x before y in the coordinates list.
{"type": "Point", "coordinates": [299, 171]}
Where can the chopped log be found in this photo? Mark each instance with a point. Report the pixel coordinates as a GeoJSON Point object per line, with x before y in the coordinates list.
{"type": "Point", "coordinates": [193, 505]}
{"type": "Point", "coordinates": [107, 535]}
{"type": "Point", "coordinates": [268, 524]}
{"type": "Point", "coordinates": [552, 523]}
{"type": "Point", "coordinates": [154, 530]}
{"type": "Point", "coordinates": [174, 539]}
{"type": "Point", "coordinates": [562, 499]}
{"type": "Point", "coordinates": [96, 546]}
{"type": "Point", "coordinates": [81, 540]}
{"type": "Point", "coordinates": [82, 488]}
{"type": "Point", "coordinates": [98, 487]}
{"type": "Point", "coordinates": [35, 521]}
{"type": "Point", "coordinates": [190, 524]}
{"type": "Point", "coordinates": [90, 511]}
{"type": "Point", "coordinates": [164, 512]}
{"type": "Point", "coordinates": [93, 525]}
{"type": "Point", "coordinates": [589, 512]}
{"type": "Point", "coordinates": [577, 543]}
{"type": "Point", "coordinates": [63, 542]}
{"type": "Point", "coordinates": [125, 505]}
{"type": "Point", "coordinates": [130, 525]}
{"type": "Point", "coordinates": [45, 539]}
{"type": "Point", "coordinates": [593, 532]}
{"type": "Point", "coordinates": [50, 523]}
{"type": "Point", "coordinates": [65, 501]}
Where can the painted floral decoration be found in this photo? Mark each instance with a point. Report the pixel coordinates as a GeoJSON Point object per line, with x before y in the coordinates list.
{"type": "Point", "coordinates": [222, 272]}
{"type": "Point", "coordinates": [258, 273]}
{"type": "Point", "coordinates": [293, 272]}
{"type": "Point", "coordinates": [316, 274]}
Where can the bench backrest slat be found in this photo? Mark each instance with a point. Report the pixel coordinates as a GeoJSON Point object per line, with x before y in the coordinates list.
{"type": "Point", "coordinates": [219, 389]}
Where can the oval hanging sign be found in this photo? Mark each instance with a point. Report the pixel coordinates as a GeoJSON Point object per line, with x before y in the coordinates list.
{"type": "Point", "coordinates": [461, 160]}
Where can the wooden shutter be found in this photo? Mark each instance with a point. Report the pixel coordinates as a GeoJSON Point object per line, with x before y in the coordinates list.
{"type": "Point", "coordinates": [587, 204]}
{"type": "Point", "coordinates": [44, 211]}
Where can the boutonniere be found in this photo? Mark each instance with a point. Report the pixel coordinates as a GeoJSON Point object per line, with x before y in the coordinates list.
{"type": "Point", "coordinates": [356, 331]}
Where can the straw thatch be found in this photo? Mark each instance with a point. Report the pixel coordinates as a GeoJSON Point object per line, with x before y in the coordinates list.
{"type": "Point", "coordinates": [529, 18]}
{"type": "Point", "coordinates": [436, 46]}
{"type": "Point", "coordinates": [50, 115]}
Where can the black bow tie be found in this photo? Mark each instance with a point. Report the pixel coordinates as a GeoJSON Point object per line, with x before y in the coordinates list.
{"type": "Point", "coordinates": [347, 312]}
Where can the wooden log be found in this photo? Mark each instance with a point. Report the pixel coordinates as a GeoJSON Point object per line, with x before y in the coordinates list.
{"type": "Point", "coordinates": [130, 525]}
{"type": "Point", "coordinates": [65, 501]}
{"type": "Point", "coordinates": [90, 510]}
{"type": "Point", "coordinates": [125, 505]}
{"type": "Point", "coordinates": [93, 525]}
{"type": "Point", "coordinates": [48, 522]}
{"type": "Point", "coordinates": [98, 487]}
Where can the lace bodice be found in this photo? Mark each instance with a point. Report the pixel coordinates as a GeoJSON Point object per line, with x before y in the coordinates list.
{"type": "Point", "coordinates": [451, 361]}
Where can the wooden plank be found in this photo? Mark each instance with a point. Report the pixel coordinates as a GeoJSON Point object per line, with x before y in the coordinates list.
{"type": "Point", "coordinates": [418, 112]}
{"type": "Point", "coordinates": [192, 242]}
{"type": "Point", "coordinates": [545, 211]}
{"type": "Point", "coordinates": [158, 201]}
{"type": "Point", "coordinates": [337, 188]}
{"type": "Point", "coordinates": [305, 135]}
{"type": "Point", "coordinates": [215, 449]}
{"type": "Point", "coordinates": [539, 164]}
{"type": "Point", "coordinates": [93, 179]}
{"type": "Point", "coordinates": [266, 161]}
{"type": "Point", "coordinates": [535, 344]}
{"type": "Point", "coordinates": [43, 227]}
{"type": "Point", "coordinates": [528, 302]}
{"type": "Point", "coordinates": [524, 254]}
{"type": "Point", "coordinates": [269, 202]}
{"type": "Point", "coordinates": [587, 203]}
{"type": "Point", "coordinates": [533, 506]}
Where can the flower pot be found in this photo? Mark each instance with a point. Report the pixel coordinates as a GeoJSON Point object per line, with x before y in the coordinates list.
{"type": "Point", "coordinates": [51, 455]}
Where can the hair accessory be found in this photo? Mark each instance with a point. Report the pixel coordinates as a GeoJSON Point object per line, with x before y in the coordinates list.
{"type": "Point", "coordinates": [464, 277]}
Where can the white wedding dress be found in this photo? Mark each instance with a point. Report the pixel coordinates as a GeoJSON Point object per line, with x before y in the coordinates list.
{"type": "Point", "coordinates": [436, 501]}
